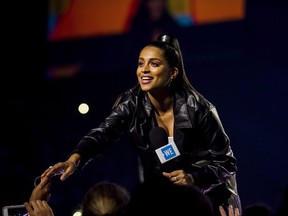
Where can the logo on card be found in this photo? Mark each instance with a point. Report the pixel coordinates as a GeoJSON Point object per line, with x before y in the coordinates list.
{"type": "Point", "coordinates": [167, 152]}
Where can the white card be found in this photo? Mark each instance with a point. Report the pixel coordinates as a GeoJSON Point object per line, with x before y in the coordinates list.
{"type": "Point", "coordinates": [167, 152]}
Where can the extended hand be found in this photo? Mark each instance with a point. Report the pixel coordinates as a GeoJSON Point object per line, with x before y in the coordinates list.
{"type": "Point", "coordinates": [42, 190]}
{"type": "Point", "coordinates": [231, 211]}
{"type": "Point", "coordinates": [38, 208]}
{"type": "Point", "coordinates": [65, 169]}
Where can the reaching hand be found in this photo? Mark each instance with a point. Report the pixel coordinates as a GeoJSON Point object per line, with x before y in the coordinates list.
{"type": "Point", "coordinates": [65, 169]}
{"type": "Point", "coordinates": [42, 190]}
{"type": "Point", "coordinates": [38, 208]}
{"type": "Point", "coordinates": [231, 211]}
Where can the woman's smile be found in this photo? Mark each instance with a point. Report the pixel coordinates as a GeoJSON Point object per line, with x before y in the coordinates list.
{"type": "Point", "coordinates": [153, 71]}
{"type": "Point", "coordinates": [146, 79]}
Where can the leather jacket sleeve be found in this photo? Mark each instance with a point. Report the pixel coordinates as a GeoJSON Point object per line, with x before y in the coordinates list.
{"type": "Point", "coordinates": [98, 139]}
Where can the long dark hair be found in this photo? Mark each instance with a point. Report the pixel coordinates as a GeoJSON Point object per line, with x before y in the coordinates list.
{"type": "Point", "coordinates": [173, 55]}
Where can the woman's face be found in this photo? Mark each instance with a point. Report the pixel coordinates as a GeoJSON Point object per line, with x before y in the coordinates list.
{"type": "Point", "coordinates": [153, 71]}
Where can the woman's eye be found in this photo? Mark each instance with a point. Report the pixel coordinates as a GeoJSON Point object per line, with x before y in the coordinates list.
{"type": "Point", "coordinates": [140, 64]}
{"type": "Point", "coordinates": [154, 64]}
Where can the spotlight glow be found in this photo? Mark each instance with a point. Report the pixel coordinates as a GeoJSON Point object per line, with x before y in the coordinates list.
{"type": "Point", "coordinates": [83, 108]}
{"type": "Point", "coordinates": [77, 213]}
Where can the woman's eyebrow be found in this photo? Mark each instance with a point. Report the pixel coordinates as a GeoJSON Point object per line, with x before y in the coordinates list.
{"type": "Point", "coordinates": [142, 58]}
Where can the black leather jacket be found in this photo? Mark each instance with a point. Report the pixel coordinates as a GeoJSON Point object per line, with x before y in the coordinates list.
{"type": "Point", "coordinates": [198, 133]}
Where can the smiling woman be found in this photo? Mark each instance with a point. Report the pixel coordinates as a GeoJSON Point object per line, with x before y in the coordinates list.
{"type": "Point", "coordinates": [175, 130]}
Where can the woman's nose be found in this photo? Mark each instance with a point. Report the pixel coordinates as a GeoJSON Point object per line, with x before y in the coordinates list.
{"type": "Point", "coordinates": [145, 69]}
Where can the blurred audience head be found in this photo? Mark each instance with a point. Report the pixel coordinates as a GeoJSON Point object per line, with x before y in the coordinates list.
{"type": "Point", "coordinates": [169, 199]}
{"type": "Point", "coordinates": [105, 198]}
{"type": "Point", "coordinates": [258, 209]}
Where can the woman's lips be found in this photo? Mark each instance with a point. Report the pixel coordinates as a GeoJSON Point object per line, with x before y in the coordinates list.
{"type": "Point", "coordinates": [146, 80]}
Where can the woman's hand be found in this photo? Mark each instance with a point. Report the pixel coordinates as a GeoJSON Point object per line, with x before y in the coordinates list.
{"type": "Point", "coordinates": [65, 169]}
{"type": "Point", "coordinates": [179, 177]}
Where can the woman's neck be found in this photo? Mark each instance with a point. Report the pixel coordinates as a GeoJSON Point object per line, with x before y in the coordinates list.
{"type": "Point", "coordinates": [164, 114]}
{"type": "Point", "coordinates": [162, 103]}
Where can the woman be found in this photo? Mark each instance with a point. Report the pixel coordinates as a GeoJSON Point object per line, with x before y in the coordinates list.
{"type": "Point", "coordinates": [165, 105]}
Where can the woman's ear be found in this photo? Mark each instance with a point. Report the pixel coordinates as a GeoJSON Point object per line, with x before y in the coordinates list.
{"type": "Point", "coordinates": [174, 73]}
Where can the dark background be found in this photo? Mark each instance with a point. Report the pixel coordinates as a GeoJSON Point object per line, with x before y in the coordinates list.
{"type": "Point", "coordinates": [240, 66]}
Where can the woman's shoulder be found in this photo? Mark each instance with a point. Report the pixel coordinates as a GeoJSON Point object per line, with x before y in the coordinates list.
{"type": "Point", "coordinates": [127, 96]}
{"type": "Point", "coordinates": [196, 99]}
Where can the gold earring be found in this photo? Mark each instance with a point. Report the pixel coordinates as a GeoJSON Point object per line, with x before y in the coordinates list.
{"type": "Point", "coordinates": [170, 80]}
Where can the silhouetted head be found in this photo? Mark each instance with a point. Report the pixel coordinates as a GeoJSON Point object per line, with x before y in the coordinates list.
{"type": "Point", "coordinates": [258, 209]}
{"type": "Point", "coordinates": [169, 199]}
{"type": "Point", "coordinates": [105, 198]}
